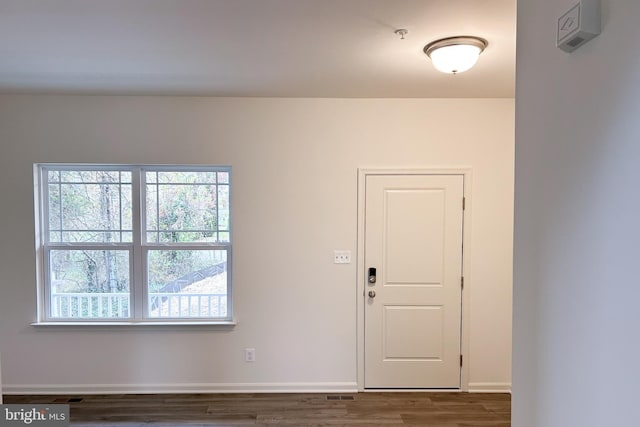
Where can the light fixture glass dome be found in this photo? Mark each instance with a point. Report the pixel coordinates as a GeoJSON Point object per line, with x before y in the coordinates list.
{"type": "Point", "coordinates": [455, 54]}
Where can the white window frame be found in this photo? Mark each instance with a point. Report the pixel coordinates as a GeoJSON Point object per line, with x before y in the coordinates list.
{"type": "Point", "coordinates": [138, 249]}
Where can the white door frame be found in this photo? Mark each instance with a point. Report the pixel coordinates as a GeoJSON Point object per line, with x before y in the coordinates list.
{"type": "Point", "coordinates": [466, 261]}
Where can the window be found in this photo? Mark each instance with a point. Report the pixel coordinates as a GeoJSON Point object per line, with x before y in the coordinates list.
{"type": "Point", "coordinates": [134, 243]}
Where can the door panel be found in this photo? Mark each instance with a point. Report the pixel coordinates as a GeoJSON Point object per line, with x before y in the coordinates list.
{"type": "Point", "coordinates": [413, 237]}
{"type": "Point", "coordinates": [403, 343]}
{"type": "Point", "coordinates": [414, 251]}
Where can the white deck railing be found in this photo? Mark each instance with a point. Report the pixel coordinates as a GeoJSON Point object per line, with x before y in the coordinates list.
{"type": "Point", "coordinates": [187, 305]}
{"type": "Point", "coordinates": [116, 305]}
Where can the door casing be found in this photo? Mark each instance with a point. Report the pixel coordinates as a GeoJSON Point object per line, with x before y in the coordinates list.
{"type": "Point", "coordinates": [466, 262]}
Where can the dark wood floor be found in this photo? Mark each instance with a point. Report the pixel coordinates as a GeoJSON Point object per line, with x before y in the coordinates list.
{"type": "Point", "coordinates": [399, 409]}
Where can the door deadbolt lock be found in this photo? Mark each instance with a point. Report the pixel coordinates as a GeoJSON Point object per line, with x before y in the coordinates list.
{"type": "Point", "coordinates": [372, 275]}
{"type": "Point", "coordinates": [372, 294]}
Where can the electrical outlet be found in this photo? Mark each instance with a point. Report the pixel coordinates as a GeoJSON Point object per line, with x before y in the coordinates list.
{"type": "Point", "coordinates": [342, 257]}
{"type": "Point", "coordinates": [249, 354]}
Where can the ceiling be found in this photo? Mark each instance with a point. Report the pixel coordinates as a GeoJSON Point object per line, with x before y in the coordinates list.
{"type": "Point", "coordinates": [270, 48]}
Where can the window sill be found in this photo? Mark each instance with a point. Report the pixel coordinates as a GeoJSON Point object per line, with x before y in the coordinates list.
{"type": "Point", "coordinates": [224, 323]}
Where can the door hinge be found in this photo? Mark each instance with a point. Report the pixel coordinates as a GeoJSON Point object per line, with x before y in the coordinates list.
{"type": "Point", "coordinates": [462, 282]}
{"type": "Point", "coordinates": [464, 203]}
{"type": "Point", "coordinates": [460, 360]}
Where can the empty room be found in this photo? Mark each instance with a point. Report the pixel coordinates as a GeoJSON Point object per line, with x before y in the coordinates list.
{"type": "Point", "coordinates": [299, 212]}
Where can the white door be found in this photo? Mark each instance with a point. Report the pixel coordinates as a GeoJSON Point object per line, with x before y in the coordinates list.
{"type": "Point", "coordinates": [413, 239]}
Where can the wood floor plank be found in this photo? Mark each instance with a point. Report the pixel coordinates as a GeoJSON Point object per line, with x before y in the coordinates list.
{"type": "Point", "coordinates": [292, 409]}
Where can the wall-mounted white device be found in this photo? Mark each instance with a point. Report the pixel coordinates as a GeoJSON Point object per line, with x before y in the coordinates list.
{"type": "Point", "coordinates": [580, 24]}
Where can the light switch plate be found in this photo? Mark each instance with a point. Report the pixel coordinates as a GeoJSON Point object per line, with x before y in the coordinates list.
{"type": "Point", "coordinates": [342, 257]}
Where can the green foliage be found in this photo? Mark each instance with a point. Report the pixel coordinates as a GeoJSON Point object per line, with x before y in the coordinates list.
{"type": "Point", "coordinates": [95, 206]}
{"type": "Point", "coordinates": [89, 270]}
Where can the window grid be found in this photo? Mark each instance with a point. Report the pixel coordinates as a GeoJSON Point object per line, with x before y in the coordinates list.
{"type": "Point", "coordinates": [160, 186]}
{"type": "Point", "coordinates": [138, 283]}
{"type": "Point", "coordinates": [59, 182]}
{"type": "Point", "coordinates": [120, 202]}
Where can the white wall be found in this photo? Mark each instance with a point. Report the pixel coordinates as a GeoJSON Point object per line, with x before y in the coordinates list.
{"type": "Point", "coordinates": [295, 179]}
{"type": "Point", "coordinates": [576, 286]}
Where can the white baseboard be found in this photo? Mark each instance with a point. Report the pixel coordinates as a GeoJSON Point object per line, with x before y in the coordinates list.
{"type": "Point", "coordinates": [329, 387]}
{"type": "Point", "coordinates": [489, 388]}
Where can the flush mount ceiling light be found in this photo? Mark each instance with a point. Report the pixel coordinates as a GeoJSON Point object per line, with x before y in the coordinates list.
{"type": "Point", "coordinates": [455, 54]}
